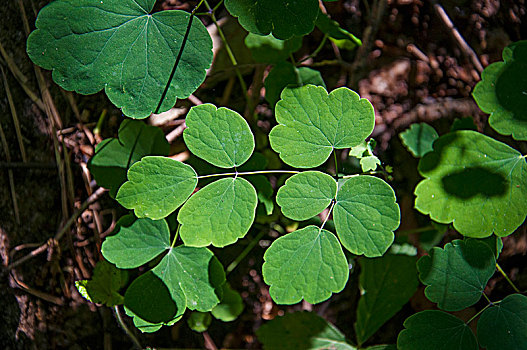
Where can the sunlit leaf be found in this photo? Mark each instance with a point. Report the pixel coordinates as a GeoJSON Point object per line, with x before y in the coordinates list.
{"type": "Point", "coordinates": [419, 138]}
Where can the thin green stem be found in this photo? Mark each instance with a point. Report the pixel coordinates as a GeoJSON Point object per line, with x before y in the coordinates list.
{"type": "Point", "coordinates": [244, 253]}
{"type": "Point", "coordinates": [125, 328]}
{"type": "Point", "coordinates": [336, 164]}
{"type": "Point", "coordinates": [507, 278]}
{"type": "Point", "coordinates": [486, 297]}
{"type": "Point", "coordinates": [415, 230]}
{"type": "Point", "coordinates": [333, 201]}
{"type": "Point", "coordinates": [217, 6]}
{"type": "Point", "coordinates": [478, 313]}
{"type": "Point", "coordinates": [251, 173]}
{"type": "Point", "coordinates": [317, 50]}
{"type": "Point", "coordinates": [175, 237]}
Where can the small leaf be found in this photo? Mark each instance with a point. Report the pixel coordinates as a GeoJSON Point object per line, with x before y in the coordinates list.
{"type": "Point", "coordinates": [120, 47]}
{"type": "Point", "coordinates": [501, 92]}
{"type": "Point", "coordinates": [474, 182]}
{"type": "Point", "coordinates": [306, 194]}
{"type": "Point", "coordinates": [136, 244]}
{"type": "Point", "coordinates": [220, 136]}
{"type": "Point", "coordinates": [436, 330]}
{"type": "Point", "coordinates": [419, 138]}
{"type": "Point", "coordinates": [218, 214]}
{"type": "Point", "coordinates": [148, 327]}
{"type": "Point", "coordinates": [199, 321]}
{"type": "Point", "coordinates": [306, 264]}
{"type": "Point", "coordinates": [366, 215]}
{"type": "Point", "coordinates": [268, 49]}
{"type": "Point", "coordinates": [312, 124]}
{"type": "Point", "coordinates": [284, 20]}
{"type": "Point", "coordinates": [369, 163]}
{"type": "Point", "coordinates": [503, 326]}
{"type": "Point", "coordinates": [114, 156]}
{"type": "Point", "coordinates": [301, 330]}
{"type": "Point", "coordinates": [230, 307]}
{"type": "Point", "coordinates": [103, 288]}
{"type": "Point", "coordinates": [340, 36]}
{"type": "Point", "coordinates": [387, 284]}
{"type": "Point", "coordinates": [457, 275]}
{"type": "Point", "coordinates": [157, 186]}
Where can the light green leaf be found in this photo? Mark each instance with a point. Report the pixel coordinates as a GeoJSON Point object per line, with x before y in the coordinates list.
{"type": "Point", "coordinates": [306, 264]}
{"type": "Point", "coordinates": [301, 330]}
{"type": "Point", "coordinates": [306, 194]}
{"type": "Point", "coordinates": [474, 182]}
{"type": "Point", "coordinates": [199, 321]}
{"type": "Point", "coordinates": [387, 283]}
{"type": "Point", "coordinates": [457, 275]}
{"type": "Point", "coordinates": [419, 138]}
{"type": "Point", "coordinates": [501, 92]}
{"type": "Point", "coordinates": [283, 19]}
{"type": "Point", "coordinates": [136, 244]}
{"type": "Point", "coordinates": [157, 186]}
{"type": "Point", "coordinates": [114, 156]}
{"type": "Point", "coordinates": [103, 288]}
{"type": "Point", "coordinates": [436, 330]}
{"type": "Point", "coordinates": [220, 136]}
{"type": "Point", "coordinates": [218, 214]}
{"type": "Point", "coordinates": [369, 163]}
{"type": "Point", "coordinates": [268, 49]}
{"type": "Point", "coordinates": [312, 124]}
{"type": "Point", "coordinates": [366, 215]}
{"type": "Point", "coordinates": [340, 36]}
{"type": "Point", "coordinates": [230, 307]}
{"type": "Point", "coordinates": [503, 326]}
{"type": "Point", "coordinates": [118, 46]}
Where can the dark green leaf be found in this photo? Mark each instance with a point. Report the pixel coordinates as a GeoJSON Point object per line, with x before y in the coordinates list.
{"type": "Point", "coordinates": [148, 327]}
{"type": "Point", "coordinates": [340, 36]}
{"type": "Point", "coordinates": [103, 288]}
{"type": "Point", "coordinates": [268, 49]}
{"type": "Point", "coordinates": [199, 321]}
{"type": "Point", "coordinates": [419, 138]}
{"type": "Point", "coordinates": [230, 307]}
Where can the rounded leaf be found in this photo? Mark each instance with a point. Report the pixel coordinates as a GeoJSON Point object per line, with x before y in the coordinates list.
{"type": "Point", "coordinates": [312, 123]}
{"type": "Point", "coordinates": [230, 307]}
{"type": "Point", "coordinates": [419, 138]}
{"type": "Point", "coordinates": [305, 264]}
{"type": "Point", "coordinates": [219, 136]}
{"type": "Point", "coordinates": [118, 46]}
{"type": "Point", "coordinates": [306, 194]}
{"type": "Point", "coordinates": [366, 215]}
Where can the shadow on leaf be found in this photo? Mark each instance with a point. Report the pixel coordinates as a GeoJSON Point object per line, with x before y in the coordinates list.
{"type": "Point", "coordinates": [474, 181]}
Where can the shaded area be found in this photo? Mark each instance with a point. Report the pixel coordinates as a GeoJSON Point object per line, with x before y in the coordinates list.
{"type": "Point", "coordinates": [511, 89]}
{"type": "Point", "coordinates": [474, 181]}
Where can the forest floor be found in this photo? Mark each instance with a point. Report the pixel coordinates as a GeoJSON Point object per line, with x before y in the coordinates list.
{"type": "Point", "coordinates": [414, 69]}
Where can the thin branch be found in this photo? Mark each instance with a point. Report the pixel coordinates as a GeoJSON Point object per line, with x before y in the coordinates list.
{"type": "Point", "coordinates": [507, 278]}
{"type": "Point", "coordinates": [125, 328]}
{"type": "Point", "coordinates": [251, 173]}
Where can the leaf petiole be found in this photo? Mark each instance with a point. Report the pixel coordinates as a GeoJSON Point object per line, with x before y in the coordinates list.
{"type": "Point", "coordinates": [507, 278]}
{"type": "Point", "coordinates": [175, 237]}
{"type": "Point", "coordinates": [251, 173]}
{"type": "Point", "coordinates": [478, 313]}
{"type": "Point", "coordinates": [333, 201]}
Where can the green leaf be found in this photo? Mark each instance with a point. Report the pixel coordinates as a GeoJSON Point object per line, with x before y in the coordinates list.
{"type": "Point", "coordinates": [387, 283]}
{"type": "Point", "coordinates": [306, 194]}
{"type": "Point", "coordinates": [430, 238]}
{"type": "Point", "coordinates": [301, 330]}
{"type": "Point", "coordinates": [466, 123]}
{"type": "Point", "coordinates": [218, 214]}
{"type": "Point", "coordinates": [306, 264]}
{"type": "Point", "coordinates": [366, 215]}
{"type": "Point", "coordinates": [148, 327]}
{"type": "Point", "coordinates": [114, 156]}
{"type": "Point", "coordinates": [474, 182]}
{"type": "Point", "coordinates": [501, 92]}
{"type": "Point", "coordinates": [136, 244]}
{"type": "Point", "coordinates": [503, 326]}
{"type": "Point", "coordinates": [284, 74]}
{"type": "Point", "coordinates": [369, 163]}
{"type": "Point", "coordinates": [199, 321]}
{"type": "Point", "coordinates": [103, 288]}
{"type": "Point", "coordinates": [120, 47]}
{"type": "Point", "coordinates": [265, 191]}
{"type": "Point", "coordinates": [382, 347]}
{"type": "Point", "coordinates": [157, 186]}
{"type": "Point", "coordinates": [457, 275]}
{"type": "Point", "coordinates": [283, 20]}
{"type": "Point", "coordinates": [436, 330]}
{"type": "Point", "coordinates": [340, 36]}
{"type": "Point", "coordinates": [493, 242]}
{"type": "Point", "coordinates": [220, 136]}
{"type": "Point", "coordinates": [364, 152]}
{"type": "Point", "coordinates": [312, 124]}
{"type": "Point", "coordinates": [268, 49]}
{"type": "Point", "coordinates": [419, 138]}
{"type": "Point", "coordinates": [230, 307]}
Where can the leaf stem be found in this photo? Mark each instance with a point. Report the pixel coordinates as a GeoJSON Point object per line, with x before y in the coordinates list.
{"type": "Point", "coordinates": [336, 165]}
{"type": "Point", "coordinates": [175, 237]}
{"type": "Point", "coordinates": [507, 278]}
{"type": "Point", "coordinates": [317, 50]}
{"type": "Point", "coordinates": [486, 297]}
{"type": "Point", "coordinates": [251, 173]}
{"type": "Point", "coordinates": [478, 313]}
{"type": "Point", "coordinates": [125, 328]}
{"type": "Point", "coordinates": [333, 201]}
{"type": "Point", "coordinates": [416, 230]}
{"type": "Point", "coordinates": [244, 253]}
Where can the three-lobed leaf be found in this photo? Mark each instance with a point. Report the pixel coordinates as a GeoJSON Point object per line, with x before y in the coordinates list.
{"type": "Point", "coordinates": [118, 46]}
{"type": "Point", "coordinates": [103, 287]}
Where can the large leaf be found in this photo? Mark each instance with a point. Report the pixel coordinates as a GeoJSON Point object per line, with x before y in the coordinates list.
{"type": "Point", "coordinates": [218, 214]}
{"type": "Point", "coordinates": [103, 287]}
{"type": "Point", "coordinates": [436, 330]}
{"type": "Point", "coordinates": [387, 284]}
{"type": "Point", "coordinates": [457, 275]}
{"type": "Point", "coordinates": [366, 215]}
{"type": "Point", "coordinates": [114, 156]}
{"type": "Point", "coordinates": [306, 194]}
{"type": "Point", "coordinates": [501, 92]}
{"type": "Point", "coordinates": [157, 186]}
{"type": "Point", "coordinates": [419, 138]}
{"type": "Point", "coordinates": [312, 124]}
{"type": "Point", "coordinates": [306, 264]}
{"type": "Point", "coordinates": [301, 330]}
{"type": "Point", "coordinates": [136, 244]}
{"type": "Point", "coordinates": [230, 307]}
{"type": "Point", "coordinates": [268, 49]}
{"type": "Point", "coordinates": [282, 19]}
{"type": "Point", "coordinates": [118, 46]}
{"type": "Point", "coordinates": [474, 182]}
{"type": "Point", "coordinates": [220, 136]}
{"type": "Point", "coordinates": [503, 326]}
